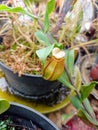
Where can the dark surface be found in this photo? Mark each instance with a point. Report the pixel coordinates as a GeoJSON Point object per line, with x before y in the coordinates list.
{"type": "Point", "coordinates": [28, 117]}
{"type": "Point", "coordinates": [91, 49]}
{"type": "Point", "coordinates": [13, 121]}
{"type": "Point", "coordinates": [29, 85]}
{"type": "Point", "coordinates": [49, 99]}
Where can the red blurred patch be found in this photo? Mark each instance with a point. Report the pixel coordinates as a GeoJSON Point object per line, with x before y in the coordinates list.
{"type": "Point", "coordinates": [76, 124]}
{"type": "Point", "coordinates": [94, 73]}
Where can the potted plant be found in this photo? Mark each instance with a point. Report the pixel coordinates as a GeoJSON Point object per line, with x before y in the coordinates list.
{"type": "Point", "coordinates": [16, 116]}
{"type": "Point", "coordinates": [31, 82]}
{"type": "Point", "coordinates": [59, 64]}
{"type": "Point", "coordinates": [19, 53]}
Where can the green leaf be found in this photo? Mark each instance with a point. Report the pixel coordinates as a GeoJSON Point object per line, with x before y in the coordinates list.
{"type": "Point", "coordinates": [16, 10]}
{"type": "Point", "coordinates": [87, 118]}
{"type": "Point", "coordinates": [69, 60]}
{"type": "Point", "coordinates": [44, 52]}
{"type": "Point", "coordinates": [76, 102]}
{"type": "Point", "coordinates": [89, 107]}
{"type": "Point", "coordinates": [87, 114]}
{"type": "Point", "coordinates": [67, 117]}
{"type": "Point", "coordinates": [64, 80]}
{"type": "Point", "coordinates": [4, 105]}
{"type": "Point", "coordinates": [78, 79]}
{"type": "Point", "coordinates": [92, 120]}
{"type": "Point", "coordinates": [87, 89]}
{"type": "Point", "coordinates": [50, 7]}
{"type": "Point", "coordinates": [42, 38]}
{"type": "Point", "coordinates": [82, 116]}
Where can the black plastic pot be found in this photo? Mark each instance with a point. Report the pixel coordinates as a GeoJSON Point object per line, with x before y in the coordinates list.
{"type": "Point", "coordinates": [34, 87]}
{"type": "Point", "coordinates": [28, 85]}
{"type": "Point", "coordinates": [25, 116]}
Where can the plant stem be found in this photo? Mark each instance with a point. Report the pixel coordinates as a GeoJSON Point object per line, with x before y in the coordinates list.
{"type": "Point", "coordinates": [77, 93]}
{"type": "Point", "coordinates": [81, 44]}
{"type": "Point", "coordinates": [66, 7]}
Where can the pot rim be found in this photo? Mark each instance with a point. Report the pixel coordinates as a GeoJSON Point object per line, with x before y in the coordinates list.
{"type": "Point", "coordinates": [40, 76]}
{"type": "Point", "coordinates": [35, 112]}
{"type": "Point", "coordinates": [28, 75]}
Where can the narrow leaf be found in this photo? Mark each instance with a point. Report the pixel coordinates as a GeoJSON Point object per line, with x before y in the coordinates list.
{"type": "Point", "coordinates": [69, 60]}
{"type": "Point", "coordinates": [42, 38]}
{"type": "Point", "coordinates": [67, 117]}
{"type": "Point", "coordinates": [89, 107]}
{"type": "Point", "coordinates": [64, 80]}
{"type": "Point", "coordinates": [87, 118]}
{"type": "Point", "coordinates": [87, 114]}
{"type": "Point", "coordinates": [87, 89]}
{"type": "Point", "coordinates": [44, 52]}
{"type": "Point", "coordinates": [92, 120]}
{"type": "Point", "coordinates": [50, 7]}
{"type": "Point", "coordinates": [76, 102]}
{"type": "Point", "coordinates": [78, 79]}
{"type": "Point", "coordinates": [17, 10]}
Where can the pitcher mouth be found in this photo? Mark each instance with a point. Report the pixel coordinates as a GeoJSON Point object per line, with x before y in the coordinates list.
{"type": "Point", "coordinates": [50, 98]}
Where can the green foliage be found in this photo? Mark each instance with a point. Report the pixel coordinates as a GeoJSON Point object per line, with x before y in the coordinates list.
{"type": "Point", "coordinates": [50, 7]}
{"type": "Point", "coordinates": [87, 89]}
{"type": "Point", "coordinates": [76, 102]}
{"type": "Point", "coordinates": [69, 61]}
{"type": "Point", "coordinates": [78, 80]}
{"type": "Point", "coordinates": [44, 52]}
{"type": "Point", "coordinates": [4, 105]}
{"type": "Point", "coordinates": [85, 111]}
{"type": "Point", "coordinates": [20, 10]}
{"type": "Point", "coordinates": [42, 38]}
{"type": "Point", "coordinates": [65, 81]}
{"type": "Point", "coordinates": [67, 117]}
{"type": "Point", "coordinates": [89, 107]}
{"type": "Point", "coordinates": [80, 92]}
{"type": "Point", "coordinates": [87, 118]}
{"type": "Point", "coordinates": [3, 124]}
